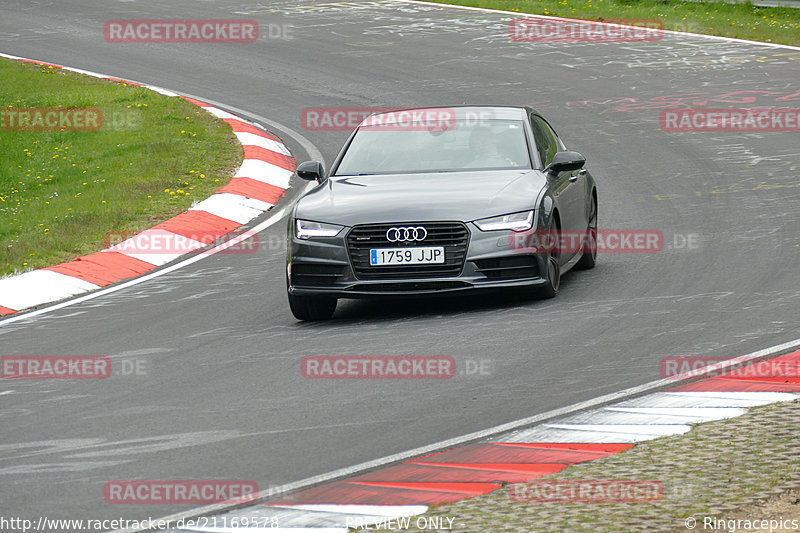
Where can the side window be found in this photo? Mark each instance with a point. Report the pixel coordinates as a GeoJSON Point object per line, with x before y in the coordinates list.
{"type": "Point", "coordinates": [540, 139]}
{"type": "Point", "coordinates": [551, 144]}
{"type": "Point", "coordinates": [552, 133]}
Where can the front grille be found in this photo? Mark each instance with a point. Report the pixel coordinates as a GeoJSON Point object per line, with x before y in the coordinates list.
{"type": "Point", "coordinates": [316, 275]}
{"type": "Point", "coordinates": [521, 266]}
{"type": "Point", "coordinates": [454, 236]}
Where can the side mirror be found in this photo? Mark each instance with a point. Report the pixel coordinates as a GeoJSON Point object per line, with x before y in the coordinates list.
{"type": "Point", "coordinates": [311, 170]}
{"type": "Point", "coordinates": [565, 162]}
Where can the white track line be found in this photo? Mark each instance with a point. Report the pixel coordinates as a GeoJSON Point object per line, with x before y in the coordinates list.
{"type": "Point", "coordinates": [373, 510]}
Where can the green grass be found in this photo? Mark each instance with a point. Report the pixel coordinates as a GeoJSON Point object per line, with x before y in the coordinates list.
{"type": "Point", "coordinates": [62, 192]}
{"type": "Point", "coordinates": [742, 21]}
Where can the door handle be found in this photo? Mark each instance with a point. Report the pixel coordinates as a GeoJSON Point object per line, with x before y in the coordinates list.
{"type": "Point", "coordinates": [573, 179]}
{"type": "Point", "coordinates": [583, 172]}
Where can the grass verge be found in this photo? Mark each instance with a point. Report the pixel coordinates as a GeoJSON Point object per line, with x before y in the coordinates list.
{"type": "Point", "coordinates": [63, 191]}
{"type": "Point", "coordinates": [741, 21]}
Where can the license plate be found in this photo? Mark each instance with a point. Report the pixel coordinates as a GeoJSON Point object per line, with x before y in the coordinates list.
{"type": "Point", "coordinates": [422, 255]}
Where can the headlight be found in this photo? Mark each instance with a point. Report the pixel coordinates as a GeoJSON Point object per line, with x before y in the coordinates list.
{"type": "Point", "coordinates": [305, 229]}
{"type": "Point", "coordinates": [522, 221]}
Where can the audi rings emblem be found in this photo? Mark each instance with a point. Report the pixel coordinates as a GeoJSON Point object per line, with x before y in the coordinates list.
{"type": "Point", "coordinates": [407, 234]}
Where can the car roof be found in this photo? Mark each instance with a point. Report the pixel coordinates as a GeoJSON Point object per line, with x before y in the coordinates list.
{"type": "Point", "coordinates": [458, 112]}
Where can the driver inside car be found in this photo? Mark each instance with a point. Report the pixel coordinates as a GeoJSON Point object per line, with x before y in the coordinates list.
{"type": "Point", "coordinates": [486, 151]}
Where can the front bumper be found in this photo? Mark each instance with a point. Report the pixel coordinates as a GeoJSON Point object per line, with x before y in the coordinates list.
{"type": "Point", "coordinates": [324, 267]}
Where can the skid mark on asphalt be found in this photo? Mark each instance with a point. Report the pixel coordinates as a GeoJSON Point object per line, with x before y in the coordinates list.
{"type": "Point", "coordinates": [96, 448]}
{"type": "Point", "coordinates": [39, 468]}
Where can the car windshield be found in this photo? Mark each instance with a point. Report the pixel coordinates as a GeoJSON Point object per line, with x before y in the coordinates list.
{"type": "Point", "coordinates": [462, 145]}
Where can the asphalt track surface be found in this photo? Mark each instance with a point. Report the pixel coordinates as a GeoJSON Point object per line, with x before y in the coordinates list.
{"type": "Point", "coordinates": [220, 394]}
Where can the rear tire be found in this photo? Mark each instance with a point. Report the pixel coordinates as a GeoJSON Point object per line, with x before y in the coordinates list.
{"type": "Point", "coordinates": [589, 258]}
{"type": "Point", "coordinates": [312, 308]}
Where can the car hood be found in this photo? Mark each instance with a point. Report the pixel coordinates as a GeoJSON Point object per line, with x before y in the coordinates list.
{"type": "Point", "coordinates": [463, 196]}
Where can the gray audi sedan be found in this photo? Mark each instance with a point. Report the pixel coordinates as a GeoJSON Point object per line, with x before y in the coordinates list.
{"type": "Point", "coordinates": [437, 201]}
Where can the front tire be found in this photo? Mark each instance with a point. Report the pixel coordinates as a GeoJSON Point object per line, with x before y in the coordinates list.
{"type": "Point", "coordinates": [589, 258]}
{"type": "Point", "coordinates": [553, 274]}
{"type": "Point", "coordinates": [312, 308]}
{"type": "Point", "coordinates": [553, 278]}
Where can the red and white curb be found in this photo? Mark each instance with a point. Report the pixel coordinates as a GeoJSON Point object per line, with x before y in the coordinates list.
{"type": "Point", "coordinates": [391, 496]}
{"type": "Point", "coordinates": [257, 185]}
